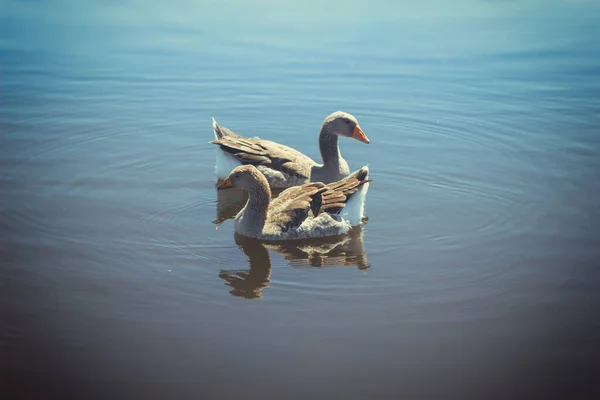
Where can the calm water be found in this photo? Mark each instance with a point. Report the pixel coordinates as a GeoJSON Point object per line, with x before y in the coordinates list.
{"type": "Point", "coordinates": [476, 275]}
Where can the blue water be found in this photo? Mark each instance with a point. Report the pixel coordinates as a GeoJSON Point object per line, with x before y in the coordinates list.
{"type": "Point", "coordinates": [475, 276]}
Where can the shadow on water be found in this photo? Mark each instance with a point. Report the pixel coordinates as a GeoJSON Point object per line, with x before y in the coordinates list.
{"type": "Point", "coordinates": [345, 250]}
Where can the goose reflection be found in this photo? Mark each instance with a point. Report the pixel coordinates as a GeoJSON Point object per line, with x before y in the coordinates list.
{"type": "Point", "coordinates": [230, 202]}
{"type": "Point", "coordinates": [346, 250]}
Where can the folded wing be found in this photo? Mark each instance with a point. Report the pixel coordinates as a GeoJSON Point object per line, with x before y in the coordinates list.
{"type": "Point", "coordinates": [260, 152]}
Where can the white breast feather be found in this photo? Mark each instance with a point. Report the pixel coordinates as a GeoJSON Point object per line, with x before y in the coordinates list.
{"type": "Point", "coordinates": [323, 225]}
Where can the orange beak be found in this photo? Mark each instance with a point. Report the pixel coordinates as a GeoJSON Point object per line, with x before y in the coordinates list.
{"type": "Point", "coordinates": [226, 184]}
{"type": "Point", "coordinates": [359, 135]}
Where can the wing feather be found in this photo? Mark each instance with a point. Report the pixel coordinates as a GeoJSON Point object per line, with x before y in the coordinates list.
{"type": "Point", "coordinates": [256, 151]}
{"type": "Point", "coordinates": [291, 208]}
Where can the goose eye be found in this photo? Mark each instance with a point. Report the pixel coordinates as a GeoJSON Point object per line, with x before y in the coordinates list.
{"type": "Point", "coordinates": [237, 176]}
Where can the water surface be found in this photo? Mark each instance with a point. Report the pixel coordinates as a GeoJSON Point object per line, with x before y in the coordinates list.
{"type": "Point", "coordinates": [475, 276]}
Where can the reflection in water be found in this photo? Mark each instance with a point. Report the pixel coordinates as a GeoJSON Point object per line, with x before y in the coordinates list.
{"type": "Point", "coordinates": [249, 283]}
{"type": "Point", "coordinates": [231, 201]}
{"type": "Point", "coordinates": [346, 250]}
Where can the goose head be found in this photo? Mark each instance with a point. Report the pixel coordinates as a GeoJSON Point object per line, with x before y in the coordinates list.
{"type": "Point", "coordinates": [345, 124]}
{"type": "Point", "coordinates": [245, 177]}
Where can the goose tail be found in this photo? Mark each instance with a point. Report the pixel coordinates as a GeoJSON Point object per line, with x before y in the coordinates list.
{"type": "Point", "coordinates": [217, 130]}
{"type": "Point", "coordinates": [354, 211]}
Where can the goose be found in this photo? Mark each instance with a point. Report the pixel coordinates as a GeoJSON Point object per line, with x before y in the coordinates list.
{"type": "Point", "coordinates": [284, 166]}
{"type": "Point", "coordinates": [311, 210]}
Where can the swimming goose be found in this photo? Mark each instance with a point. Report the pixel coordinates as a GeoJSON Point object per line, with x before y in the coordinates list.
{"type": "Point", "coordinates": [301, 212]}
{"type": "Point", "coordinates": [283, 166]}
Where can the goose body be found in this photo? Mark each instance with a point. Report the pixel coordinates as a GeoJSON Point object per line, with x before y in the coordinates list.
{"type": "Point", "coordinates": [284, 166]}
{"type": "Point", "coordinates": [311, 210]}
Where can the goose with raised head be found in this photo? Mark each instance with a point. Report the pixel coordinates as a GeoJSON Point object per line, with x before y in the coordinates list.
{"type": "Point", "coordinates": [284, 166]}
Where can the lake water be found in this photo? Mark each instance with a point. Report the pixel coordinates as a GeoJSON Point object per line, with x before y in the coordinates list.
{"type": "Point", "coordinates": [476, 275]}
